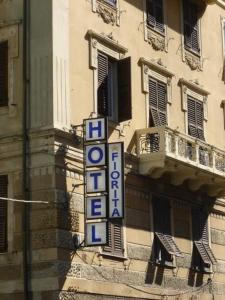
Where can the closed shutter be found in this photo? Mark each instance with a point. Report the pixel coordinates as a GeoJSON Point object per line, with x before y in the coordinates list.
{"type": "Point", "coordinates": [191, 27]}
{"type": "Point", "coordinates": [115, 238]}
{"type": "Point", "coordinates": [155, 14]}
{"type": "Point", "coordinates": [3, 73]}
{"type": "Point", "coordinates": [157, 102]}
{"type": "Point", "coordinates": [195, 118]}
{"type": "Point", "coordinates": [124, 90]}
{"type": "Point", "coordinates": [103, 97]}
{"type": "Point", "coordinates": [201, 238]}
{"type": "Point", "coordinates": [3, 213]}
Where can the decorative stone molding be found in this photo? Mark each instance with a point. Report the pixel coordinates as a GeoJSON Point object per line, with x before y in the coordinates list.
{"type": "Point", "coordinates": [156, 40]}
{"type": "Point", "coordinates": [194, 62]}
{"type": "Point", "coordinates": [110, 14]}
{"type": "Point", "coordinates": [107, 13]}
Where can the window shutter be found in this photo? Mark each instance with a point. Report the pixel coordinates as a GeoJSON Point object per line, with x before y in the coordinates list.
{"type": "Point", "coordinates": [115, 238]}
{"type": "Point", "coordinates": [124, 90]}
{"type": "Point", "coordinates": [159, 15]}
{"type": "Point", "coordinates": [157, 102]}
{"type": "Point", "coordinates": [3, 213]}
{"type": "Point", "coordinates": [191, 28]}
{"type": "Point", "coordinates": [103, 84]}
{"type": "Point", "coordinates": [195, 118]}
{"type": "Point", "coordinates": [112, 2]}
{"type": "Point", "coordinates": [151, 21]}
{"type": "Point", "coordinates": [3, 73]}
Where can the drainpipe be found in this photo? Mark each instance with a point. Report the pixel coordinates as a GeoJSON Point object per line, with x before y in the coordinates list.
{"type": "Point", "coordinates": [26, 175]}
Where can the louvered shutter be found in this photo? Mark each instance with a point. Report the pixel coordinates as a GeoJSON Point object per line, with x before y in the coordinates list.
{"type": "Point", "coordinates": [191, 27]}
{"type": "Point", "coordinates": [124, 90]}
{"type": "Point", "coordinates": [3, 73]}
{"type": "Point", "coordinates": [3, 213]}
{"type": "Point", "coordinates": [201, 237]}
{"type": "Point", "coordinates": [157, 102]}
{"type": "Point", "coordinates": [151, 21]}
{"type": "Point", "coordinates": [115, 238]}
{"type": "Point", "coordinates": [195, 118]}
{"type": "Point", "coordinates": [103, 88]}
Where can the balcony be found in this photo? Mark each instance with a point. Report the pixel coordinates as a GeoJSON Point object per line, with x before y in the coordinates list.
{"type": "Point", "coordinates": [162, 150]}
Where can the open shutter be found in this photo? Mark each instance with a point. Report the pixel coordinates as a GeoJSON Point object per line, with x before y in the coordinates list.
{"type": "Point", "coordinates": [103, 84]}
{"type": "Point", "coordinates": [3, 73]}
{"type": "Point", "coordinates": [162, 103]}
{"type": "Point", "coordinates": [200, 119]}
{"type": "Point", "coordinates": [115, 238]}
{"type": "Point", "coordinates": [3, 213]}
{"type": "Point", "coordinates": [157, 102]}
{"type": "Point", "coordinates": [124, 90]}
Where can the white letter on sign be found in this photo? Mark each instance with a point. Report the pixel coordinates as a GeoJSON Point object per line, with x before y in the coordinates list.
{"type": "Point", "coordinates": [95, 155]}
{"type": "Point", "coordinates": [116, 180]}
{"type": "Point", "coordinates": [96, 233]}
{"type": "Point", "coordinates": [95, 181]}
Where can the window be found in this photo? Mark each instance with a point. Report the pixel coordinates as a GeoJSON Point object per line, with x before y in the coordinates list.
{"type": "Point", "coordinates": [164, 246]}
{"type": "Point", "coordinates": [191, 26]}
{"type": "Point", "coordinates": [202, 257]}
{"type": "Point", "coordinates": [115, 237]}
{"type": "Point", "coordinates": [4, 73]}
{"type": "Point", "coordinates": [3, 213]}
{"type": "Point", "coordinates": [195, 114]}
{"type": "Point", "coordinates": [157, 103]}
{"type": "Point", "coordinates": [154, 9]}
{"type": "Point", "coordinates": [114, 88]}
{"type": "Point", "coordinates": [111, 2]}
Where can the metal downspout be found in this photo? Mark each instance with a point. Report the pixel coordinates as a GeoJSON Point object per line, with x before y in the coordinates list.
{"type": "Point", "coordinates": [26, 175]}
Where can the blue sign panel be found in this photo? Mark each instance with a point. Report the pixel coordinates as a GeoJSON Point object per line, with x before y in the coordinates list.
{"type": "Point", "coordinates": [95, 129]}
{"type": "Point", "coordinates": [115, 180]}
{"type": "Point", "coordinates": [95, 155]}
{"type": "Point", "coordinates": [96, 233]}
{"type": "Point", "coordinates": [95, 207]}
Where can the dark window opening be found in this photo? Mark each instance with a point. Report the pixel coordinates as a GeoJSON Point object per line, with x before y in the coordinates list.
{"type": "Point", "coordinates": [4, 74]}
{"type": "Point", "coordinates": [3, 213]}
{"type": "Point", "coordinates": [155, 15]}
{"type": "Point", "coordinates": [114, 88]}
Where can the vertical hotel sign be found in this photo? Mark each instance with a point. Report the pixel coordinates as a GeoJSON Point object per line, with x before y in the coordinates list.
{"type": "Point", "coordinates": [104, 181]}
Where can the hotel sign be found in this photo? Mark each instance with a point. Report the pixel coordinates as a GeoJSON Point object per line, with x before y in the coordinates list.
{"type": "Point", "coordinates": [104, 181]}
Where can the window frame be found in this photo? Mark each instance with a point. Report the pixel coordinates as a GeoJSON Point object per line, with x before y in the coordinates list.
{"type": "Point", "coordinates": [192, 58]}
{"type": "Point", "coordinates": [109, 47]}
{"type": "Point", "coordinates": [195, 91]}
{"type": "Point", "coordinates": [159, 73]}
{"type": "Point", "coordinates": [9, 32]}
{"type": "Point", "coordinates": [155, 242]}
{"type": "Point", "coordinates": [157, 39]}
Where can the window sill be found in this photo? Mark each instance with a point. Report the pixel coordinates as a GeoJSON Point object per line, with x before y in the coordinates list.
{"type": "Point", "coordinates": [167, 265]}
{"type": "Point", "coordinates": [162, 34]}
{"type": "Point", "coordinates": [4, 110]}
{"type": "Point", "coordinates": [113, 256]}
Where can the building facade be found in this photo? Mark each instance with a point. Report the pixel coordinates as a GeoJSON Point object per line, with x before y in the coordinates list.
{"type": "Point", "coordinates": [155, 69]}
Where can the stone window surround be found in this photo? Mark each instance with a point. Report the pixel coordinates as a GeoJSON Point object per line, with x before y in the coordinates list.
{"type": "Point", "coordinates": [157, 36]}
{"type": "Point", "coordinates": [112, 48]}
{"type": "Point", "coordinates": [196, 91]}
{"type": "Point", "coordinates": [10, 32]}
{"type": "Point", "coordinates": [193, 60]}
{"type": "Point", "coordinates": [108, 10]}
{"type": "Point", "coordinates": [158, 72]}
